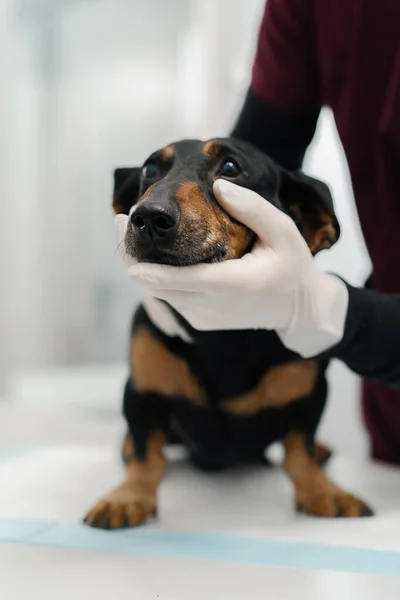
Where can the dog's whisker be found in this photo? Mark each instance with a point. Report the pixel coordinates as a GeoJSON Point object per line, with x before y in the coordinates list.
{"type": "Point", "coordinates": [119, 246]}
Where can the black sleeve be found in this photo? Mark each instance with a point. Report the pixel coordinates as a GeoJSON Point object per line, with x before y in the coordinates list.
{"type": "Point", "coordinates": [371, 343]}
{"type": "Point", "coordinates": [283, 136]}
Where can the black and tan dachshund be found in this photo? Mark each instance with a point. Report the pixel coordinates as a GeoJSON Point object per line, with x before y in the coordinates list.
{"type": "Point", "coordinates": [225, 395]}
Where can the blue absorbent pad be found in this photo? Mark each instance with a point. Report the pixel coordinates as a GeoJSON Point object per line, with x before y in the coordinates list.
{"type": "Point", "coordinates": [241, 517]}
{"type": "Point", "coordinates": [203, 546]}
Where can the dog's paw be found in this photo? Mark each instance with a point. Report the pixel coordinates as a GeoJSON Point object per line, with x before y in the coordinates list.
{"type": "Point", "coordinates": [122, 508]}
{"type": "Point", "coordinates": [333, 504]}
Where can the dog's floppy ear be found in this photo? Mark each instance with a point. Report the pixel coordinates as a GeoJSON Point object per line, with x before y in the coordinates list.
{"type": "Point", "coordinates": [126, 189]}
{"type": "Point", "coordinates": [309, 202]}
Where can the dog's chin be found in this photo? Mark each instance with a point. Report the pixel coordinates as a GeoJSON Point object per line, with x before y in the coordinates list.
{"type": "Point", "coordinates": [181, 259]}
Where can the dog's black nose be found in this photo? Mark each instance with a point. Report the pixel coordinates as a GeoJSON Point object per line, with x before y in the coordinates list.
{"type": "Point", "coordinates": [155, 220]}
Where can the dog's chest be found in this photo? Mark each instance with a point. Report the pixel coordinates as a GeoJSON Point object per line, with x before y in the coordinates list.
{"type": "Point", "coordinates": [250, 369]}
{"type": "Point", "coordinates": [229, 364]}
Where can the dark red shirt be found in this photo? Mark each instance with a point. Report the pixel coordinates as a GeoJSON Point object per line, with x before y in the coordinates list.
{"type": "Point", "coordinates": [344, 54]}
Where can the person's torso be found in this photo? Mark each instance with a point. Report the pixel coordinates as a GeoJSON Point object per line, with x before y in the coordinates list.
{"type": "Point", "coordinates": [358, 50]}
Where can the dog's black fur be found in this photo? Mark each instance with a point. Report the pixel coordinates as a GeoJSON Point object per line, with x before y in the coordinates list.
{"type": "Point", "coordinates": [228, 364]}
{"type": "Point", "coordinates": [224, 365]}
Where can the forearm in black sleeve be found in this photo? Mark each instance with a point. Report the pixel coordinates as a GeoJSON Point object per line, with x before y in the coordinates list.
{"type": "Point", "coordinates": [283, 136]}
{"type": "Point", "coordinates": [371, 343]}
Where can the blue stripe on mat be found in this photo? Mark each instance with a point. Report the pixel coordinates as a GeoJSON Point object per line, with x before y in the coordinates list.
{"type": "Point", "coordinates": [202, 546]}
{"type": "Point", "coordinates": [21, 452]}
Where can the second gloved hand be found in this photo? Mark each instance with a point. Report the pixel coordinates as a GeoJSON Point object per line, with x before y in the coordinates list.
{"type": "Point", "coordinates": [276, 286]}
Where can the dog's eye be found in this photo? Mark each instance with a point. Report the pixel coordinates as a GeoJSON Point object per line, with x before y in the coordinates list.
{"type": "Point", "coordinates": [229, 168]}
{"type": "Point", "coordinates": [150, 171]}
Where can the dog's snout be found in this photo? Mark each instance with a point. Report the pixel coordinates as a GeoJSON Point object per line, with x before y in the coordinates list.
{"type": "Point", "coordinates": [155, 220]}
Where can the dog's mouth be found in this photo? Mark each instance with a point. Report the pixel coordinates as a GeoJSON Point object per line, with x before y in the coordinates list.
{"type": "Point", "coordinates": [164, 258]}
{"type": "Point", "coordinates": [183, 256]}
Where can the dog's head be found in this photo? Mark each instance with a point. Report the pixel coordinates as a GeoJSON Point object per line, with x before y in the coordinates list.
{"type": "Point", "coordinates": [175, 219]}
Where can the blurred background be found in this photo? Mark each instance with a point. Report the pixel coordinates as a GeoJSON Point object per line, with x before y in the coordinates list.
{"type": "Point", "coordinates": [88, 85]}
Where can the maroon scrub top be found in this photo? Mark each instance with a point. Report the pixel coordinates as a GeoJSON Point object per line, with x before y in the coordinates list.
{"type": "Point", "coordinates": [345, 54]}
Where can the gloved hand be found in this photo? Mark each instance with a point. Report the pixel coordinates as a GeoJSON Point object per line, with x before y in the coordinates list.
{"type": "Point", "coordinates": [276, 286]}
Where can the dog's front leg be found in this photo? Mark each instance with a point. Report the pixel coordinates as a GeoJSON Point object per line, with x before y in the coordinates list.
{"type": "Point", "coordinates": [135, 499]}
{"type": "Point", "coordinates": [315, 493]}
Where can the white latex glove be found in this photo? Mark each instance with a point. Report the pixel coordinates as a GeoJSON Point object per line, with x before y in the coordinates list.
{"type": "Point", "coordinates": [276, 286]}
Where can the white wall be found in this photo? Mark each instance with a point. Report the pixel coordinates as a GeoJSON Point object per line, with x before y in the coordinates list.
{"type": "Point", "coordinates": [99, 84]}
{"type": "Point", "coordinates": [6, 180]}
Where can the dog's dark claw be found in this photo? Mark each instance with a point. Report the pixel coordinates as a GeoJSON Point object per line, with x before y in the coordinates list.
{"type": "Point", "coordinates": [367, 512]}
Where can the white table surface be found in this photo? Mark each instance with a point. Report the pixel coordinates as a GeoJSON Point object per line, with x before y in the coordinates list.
{"type": "Point", "coordinates": [77, 460]}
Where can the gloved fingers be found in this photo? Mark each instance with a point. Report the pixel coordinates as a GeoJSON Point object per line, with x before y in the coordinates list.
{"type": "Point", "coordinates": [270, 224]}
{"type": "Point", "coordinates": [195, 309]}
{"type": "Point", "coordinates": [190, 306]}
{"type": "Point", "coordinates": [175, 298]}
{"type": "Point", "coordinates": [209, 278]}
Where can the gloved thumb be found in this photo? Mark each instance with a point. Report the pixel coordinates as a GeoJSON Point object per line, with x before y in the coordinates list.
{"type": "Point", "coordinates": [269, 223]}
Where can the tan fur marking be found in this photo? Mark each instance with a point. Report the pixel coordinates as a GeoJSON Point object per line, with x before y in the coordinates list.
{"type": "Point", "coordinates": [155, 369]}
{"type": "Point", "coordinates": [279, 387]}
{"type": "Point", "coordinates": [147, 192]}
{"type": "Point", "coordinates": [118, 208]}
{"type": "Point", "coordinates": [239, 239]}
{"type": "Point", "coordinates": [322, 239]}
{"type": "Point", "coordinates": [322, 454]}
{"type": "Point", "coordinates": [127, 448]}
{"type": "Point", "coordinates": [196, 213]}
{"type": "Point", "coordinates": [314, 492]}
{"type": "Point", "coordinates": [320, 232]}
{"type": "Point", "coordinates": [167, 153]}
{"type": "Point", "coordinates": [211, 149]}
{"type": "Point", "coordinates": [149, 472]}
{"type": "Point", "coordinates": [189, 191]}
{"type": "Point", "coordinates": [136, 498]}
